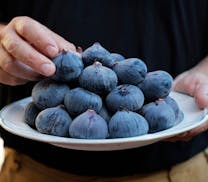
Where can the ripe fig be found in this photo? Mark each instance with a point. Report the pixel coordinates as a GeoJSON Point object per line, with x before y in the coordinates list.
{"type": "Point", "coordinates": [156, 85]}
{"type": "Point", "coordinates": [48, 93]}
{"type": "Point", "coordinates": [105, 113]}
{"type": "Point", "coordinates": [88, 125]}
{"type": "Point", "coordinates": [68, 66]}
{"type": "Point", "coordinates": [98, 79]}
{"type": "Point", "coordinates": [78, 100]}
{"type": "Point", "coordinates": [130, 71]}
{"type": "Point", "coordinates": [117, 57]}
{"type": "Point", "coordinates": [53, 121]}
{"type": "Point", "coordinates": [127, 124]}
{"type": "Point", "coordinates": [125, 96]}
{"type": "Point", "coordinates": [97, 53]}
{"type": "Point", "coordinates": [179, 115]}
{"type": "Point", "coordinates": [159, 115]}
{"type": "Point", "coordinates": [30, 114]}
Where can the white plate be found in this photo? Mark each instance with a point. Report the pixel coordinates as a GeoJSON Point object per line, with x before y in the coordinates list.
{"type": "Point", "coordinates": [11, 119]}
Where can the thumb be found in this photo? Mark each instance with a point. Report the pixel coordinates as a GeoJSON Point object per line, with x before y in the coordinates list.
{"type": "Point", "coordinates": [201, 95]}
{"type": "Point", "coordinates": [185, 83]}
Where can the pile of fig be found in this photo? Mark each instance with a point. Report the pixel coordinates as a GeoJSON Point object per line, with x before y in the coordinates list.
{"type": "Point", "coordinates": [102, 95]}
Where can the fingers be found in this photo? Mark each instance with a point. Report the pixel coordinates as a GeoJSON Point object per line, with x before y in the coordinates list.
{"type": "Point", "coordinates": [62, 43]}
{"type": "Point", "coordinates": [178, 137]}
{"type": "Point", "coordinates": [187, 136]}
{"type": "Point", "coordinates": [201, 95]}
{"type": "Point", "coordinates": [8, 79]}
{"type": "Point", "coordinates": [194, 84]}
{"type": "Point", "coordinates": [198, 130]}
{"type": "Point", "coordinates": [42, 38]}
{"type": "Point", "coordinates": [27, 47]}
{"type": "Point", "coordinates": [22, 71]}
{"type": "Point", "coordinates": [16, 68]}
{"type": "Point", "coordinates": [21, 50]}
{"type": "Point", "coordinates": [35, 34]}
{"type": "Point", "coordinates": [185, 83]}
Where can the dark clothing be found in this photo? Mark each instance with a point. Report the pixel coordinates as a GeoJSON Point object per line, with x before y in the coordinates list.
{"type": "Point", "coordinates": [167, 35]}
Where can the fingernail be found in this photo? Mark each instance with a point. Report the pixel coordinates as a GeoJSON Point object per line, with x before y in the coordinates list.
{"type": "Point", "coordinates": [48, 69]}
{"type": "Point", "coordinates": [51, 50]}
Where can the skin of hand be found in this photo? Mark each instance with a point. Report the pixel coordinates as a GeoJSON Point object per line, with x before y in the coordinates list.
{"type": "Point", "coordinates": [26, 49]}
{"type": "Point", "coordinates": [193, 82]}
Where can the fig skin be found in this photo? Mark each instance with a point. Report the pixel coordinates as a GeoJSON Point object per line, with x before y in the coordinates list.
{"type": "Point", "coordinates": [68, 67]}
{"type": "Point", "coordinates": [117, 57]}
{"type": "Point", "coordinates": [89, 125]}
{"type": "Point", "coordinates": [105, 113]}
{"type": "Point", "coordinates": [53, 121]}
{"type": "Point", "coordinates": [179, 115]}
{"type": "Point", "coordinates": [78, 100]}
{"type": "Point", "coordinates": [127, 124]}
{"type": "Point", "coordinates": [49, 93]}
{"type": "Point", "coordinates": [130, 71]}
{"type": "Point", "coordinates": [97, 53]}
{"type": "Point", "coordinates": [156, 85]}
{"type": "Point", "coordinates": [159, 115]}
{"type": "Point", "coordinates": [125, 96]}
{"type": "Point", "coordinates": [30, 113]}
{"type": "Point", "coordinates": [99, 79]}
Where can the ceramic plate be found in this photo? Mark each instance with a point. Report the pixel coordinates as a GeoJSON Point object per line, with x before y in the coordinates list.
{"type": "Point", "coordinates": [11, 119]}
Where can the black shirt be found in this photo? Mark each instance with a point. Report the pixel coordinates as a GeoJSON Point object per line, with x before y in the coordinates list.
{"type": "Point", "coordinates": [167, 35]}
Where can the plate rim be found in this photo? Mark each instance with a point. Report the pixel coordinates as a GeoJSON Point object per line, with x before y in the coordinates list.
{"type": "Point", "coordinates": [56, 140]}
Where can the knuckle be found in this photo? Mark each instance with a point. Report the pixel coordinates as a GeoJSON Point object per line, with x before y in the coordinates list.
{"type": "Point", "coordinates": [23, 27]}
{"type": "Point", "coordinates": [30, 59]}
{"type": "Point", "coordinates": [22, 24]}
{"type": "Point", "coordinates": [7, 67]}
{"type": "Point", "coordinates": [20, 19]}
{"type": "Point", "coordinates": [11, 45]}
{"type": "Point", "coordinates": [5, 33]}
{"type": "Point", "coordinates": [72, 46]}
{"type": "Point", "coordinates": [15, 19]}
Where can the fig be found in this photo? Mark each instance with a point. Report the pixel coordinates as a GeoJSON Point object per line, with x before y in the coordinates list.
{"type": "Point", "coordinates": [98, 79]}
{"type": "Point", "coordinates": [68, 66]}
{"type": "Point", "coordinates": [130, 71]}
{"type": "Point", "coordinates": [89, 125]}
{"type": "Point", "coordinates": [97, 53]}
{"type": "Point", "coordinates": [156, 85]}
{"type": "Point", "coordinates": [78, 100]}
{"type": "Point", "coordinates": [53, 121]}
{"type": "Point", "coordinates": [125, 96]}
{"type": "Point", "coordinates": [30, 114]}
{"type": "Point", "coordinates": [159, 115]}
{"type": "Point", "coordinates": [48, 93]}
{"type": "Point", "coordinates": [127, 124]}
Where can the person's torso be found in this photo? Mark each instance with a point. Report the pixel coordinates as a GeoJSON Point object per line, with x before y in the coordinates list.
{"type": "Point", "coordinates": [167, 35]}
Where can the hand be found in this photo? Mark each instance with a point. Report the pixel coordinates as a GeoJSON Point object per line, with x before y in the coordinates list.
{"type": "Point", "coordinates": [195, 84]}
{"type": "Point", "coordinates": [26, 47]}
